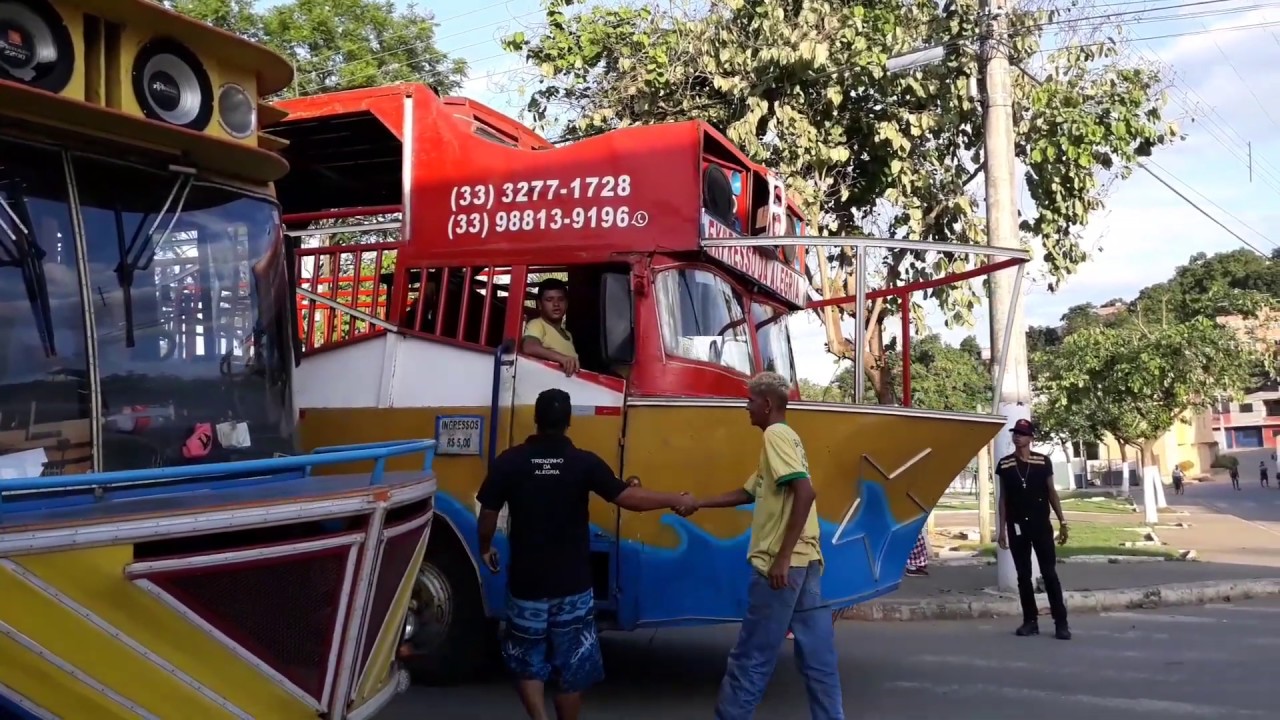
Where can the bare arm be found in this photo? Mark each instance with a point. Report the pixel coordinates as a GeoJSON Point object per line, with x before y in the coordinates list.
{"type": "Point", "coordinates": [637, 499]}
{"type": "Point", "coordinates": [486, 527]}
{"type": "Point", "coordinates": [530, 345]}
{"type": "Point", "coordinates": [733, 498]}
{"type": "Point", "coordinates": [1054, 502]}
{"type": "Point", "coordinates": [802, 497]}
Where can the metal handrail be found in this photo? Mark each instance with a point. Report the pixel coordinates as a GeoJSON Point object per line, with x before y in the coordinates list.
{"type": "Point", "coordinates": [860, 241]}
{"type": "Point", "coordinates": [332, 455]}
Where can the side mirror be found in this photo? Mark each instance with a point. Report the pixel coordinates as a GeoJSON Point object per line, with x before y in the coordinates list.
{"type": "Point", "coordinates": [617, 319]}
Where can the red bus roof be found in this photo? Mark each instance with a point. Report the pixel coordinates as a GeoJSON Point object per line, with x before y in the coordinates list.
{"type": "Point", "coordinates": [483, 187]}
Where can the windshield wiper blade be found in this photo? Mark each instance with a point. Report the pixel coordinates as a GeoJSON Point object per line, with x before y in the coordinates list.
{"type": "Point", "coordinates": [137, 256]}
{"type": "Point", "coordinates": [26, 254]}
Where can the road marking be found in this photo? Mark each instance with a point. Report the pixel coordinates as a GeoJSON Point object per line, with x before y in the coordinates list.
{"type": "Point", "coordinates": [1223, 511]}
{"type": "Point", "coordinates": [1156, 617]}
{"type": "Point", "coordinates": [1236, 606]}
{"type": "Point", "coordinates": [1038, 667]}
{"type": "Point", "coordinates": [1141, 705]}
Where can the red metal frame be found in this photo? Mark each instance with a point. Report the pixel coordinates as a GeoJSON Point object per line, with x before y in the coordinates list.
{"type": "Point", "coordinates": [463, 193]}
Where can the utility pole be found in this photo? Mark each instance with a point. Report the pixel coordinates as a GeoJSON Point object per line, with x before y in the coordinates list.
{"type": "Point", "coordinates": [1005, 301]}
{"type": "Point", "coordinates": [984, 491]}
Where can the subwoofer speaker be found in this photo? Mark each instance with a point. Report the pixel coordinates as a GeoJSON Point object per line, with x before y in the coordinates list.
{"type": "Point", "coordinates": [36, 47]}
{"type": "Point", "coordinates": [171, 84]}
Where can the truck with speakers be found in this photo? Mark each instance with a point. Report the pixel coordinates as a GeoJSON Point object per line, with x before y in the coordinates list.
{"type": "Point", "coordinates": [166, 550]}
{"type": "Point", "coordinates": [422, 227]}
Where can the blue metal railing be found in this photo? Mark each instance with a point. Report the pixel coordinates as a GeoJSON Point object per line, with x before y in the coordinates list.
{"type": "Point", "coordinates": [378, 452]}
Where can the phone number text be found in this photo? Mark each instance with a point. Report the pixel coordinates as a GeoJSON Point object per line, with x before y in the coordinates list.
{"type": "Point", "coordinates": [528, 191]}
{"type": "Point", "coordinates": [507, 221]}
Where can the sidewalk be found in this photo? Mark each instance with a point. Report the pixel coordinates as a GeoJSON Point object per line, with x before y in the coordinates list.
{"type": "Point", "coordinates": [966, 592]}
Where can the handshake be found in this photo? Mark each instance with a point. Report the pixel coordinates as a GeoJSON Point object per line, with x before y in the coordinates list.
{"type": "Point", "coordinates": [687, 506]}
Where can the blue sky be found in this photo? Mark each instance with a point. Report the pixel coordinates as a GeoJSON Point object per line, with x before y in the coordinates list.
{"type": "Point", "coordinates": [1223, 85]}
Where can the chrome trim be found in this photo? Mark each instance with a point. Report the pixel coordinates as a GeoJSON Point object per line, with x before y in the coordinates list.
{"type": "Point", "coordinates": [376, 703]}
{"type": "Point", "coordinates": [109, 533]}
{"type": "Point", "coordinates": [475, 562]}
{"type": "Point", "coordinates": [343, 308]}
{"type": "Point", "coordinates": [1003, 360]}
{"type": "Point", "coordinates": [862, 241]}
{"type": "Point", "coordinates": [233, 646]}
{"type": "Point", "coordinates": [90, 323]}
{"type": "Point", "coordinates": [223, 558]}
{"type": "Point", "coordinates": [359, 604]}
{"type": "Point", "coordinates": [34, 581]}
{"type": "Point", "coordinates": [388, 225]}
{"type": "Point", "coordinates": [75, 672]}
{"type": "Point", "coordinates": [860, 331]}
{"type": "Point", "coordinates": [893, 410]}
{"type": "Point", "coordinates": [335, 640]}
{"type": "Point", "coordinates": [414, 524]}
{"type": "Point", "coordinates": [406, 170]}
{"type": "Point", "coordinates": [398, 627]}
{"type": "Point", "coordinates": [25, 703]}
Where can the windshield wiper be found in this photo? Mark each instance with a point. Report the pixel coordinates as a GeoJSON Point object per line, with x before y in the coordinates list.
{"type": "Point", "coordinates": [19, 248]}
{"type": "Point", "coordinates": [138, 253]}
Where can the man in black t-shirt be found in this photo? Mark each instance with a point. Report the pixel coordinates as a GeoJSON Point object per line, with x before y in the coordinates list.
{"type": "Point", "coordinates": [546, 484]}
{"type": "Point", "coordinates": [1026, 494]}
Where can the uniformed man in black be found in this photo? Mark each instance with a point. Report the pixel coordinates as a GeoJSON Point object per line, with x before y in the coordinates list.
{"type": "Point", "coordinates": [1026, 494]}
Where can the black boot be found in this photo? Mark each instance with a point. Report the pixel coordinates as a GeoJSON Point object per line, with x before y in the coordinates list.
{"type": "Point", "coordinates": [1062, 632]}
{"type": "Point", "coordinates": [1027, 629]}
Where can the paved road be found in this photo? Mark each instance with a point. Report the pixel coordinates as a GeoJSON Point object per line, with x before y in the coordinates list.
{"type": "Point", "coordinates": [1213, 662]}
{"type": "Point", "coordinates": [1232, 526]}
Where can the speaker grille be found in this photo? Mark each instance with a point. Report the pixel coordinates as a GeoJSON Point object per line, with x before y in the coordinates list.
{"type": "Point", "coordinates": [36, 49]}
{"type": "Point", "coordinates": [171, 85]}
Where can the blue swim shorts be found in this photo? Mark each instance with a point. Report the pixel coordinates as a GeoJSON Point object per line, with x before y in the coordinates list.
{"type": "Point", "coordinates": [554, 641]}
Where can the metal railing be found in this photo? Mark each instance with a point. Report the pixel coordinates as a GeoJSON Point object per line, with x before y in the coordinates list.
{"type": "Point", "coordinates": [378, 452]}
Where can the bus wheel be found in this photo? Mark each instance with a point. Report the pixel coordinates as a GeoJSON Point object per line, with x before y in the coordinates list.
{"type": "Point", "coordinates": [452, 641]}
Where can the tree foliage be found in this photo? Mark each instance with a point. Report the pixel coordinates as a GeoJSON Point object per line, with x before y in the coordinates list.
{"type": "Point", "coordinates": [943, 377]}
{"type": "Point", "coordinates": [1133, 381]}
{"type": "Point", "coordinates": [801, 86]}
{"type": "Point", "coordinates": [339, 44]}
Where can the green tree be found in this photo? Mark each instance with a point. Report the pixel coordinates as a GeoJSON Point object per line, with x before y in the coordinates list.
{"type": "Point", "coordinates": [943, 376]}
{"type": "Point", "coordinates": [1239, 282]}
{"type": "Point", "coordinates": [339, 44]}
{"type": "Point", "coordinates": [801, 87]}
{"type": "Point", "coordinates": [1133, 381]}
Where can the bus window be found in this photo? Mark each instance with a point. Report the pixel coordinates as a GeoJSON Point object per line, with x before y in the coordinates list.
{"type": "Point", "coordinates": [44, 381]}
{"type": "Point", "coordinates": [191, 302]}
{"type": "Point", "coordinates": [471, 309]}
{"type": "Point", "coordinates": [775, 340]}
{"type": "Point", "coordinates": [702, 319]}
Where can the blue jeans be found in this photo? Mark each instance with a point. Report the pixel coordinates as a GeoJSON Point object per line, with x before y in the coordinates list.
{"type": "Point", "coordinates": [770, 613]}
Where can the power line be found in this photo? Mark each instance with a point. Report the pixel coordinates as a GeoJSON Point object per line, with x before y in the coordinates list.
{"type": "Point", "coordinates": [1201, 210]}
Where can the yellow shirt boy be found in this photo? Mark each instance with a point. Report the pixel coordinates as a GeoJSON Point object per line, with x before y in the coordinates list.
{"type": "Point", "coordinates": [782, 461]}
{"type": "Point", "coordinates": [555, 339]}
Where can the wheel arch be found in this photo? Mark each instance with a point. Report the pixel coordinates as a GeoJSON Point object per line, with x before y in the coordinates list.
{"type": "Point", "coordinates": [446, 539]}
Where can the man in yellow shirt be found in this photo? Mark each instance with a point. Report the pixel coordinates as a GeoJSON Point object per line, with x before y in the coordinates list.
{"type": "Point", "coordinates": [785, 591]}
{"type": "Point", "coordinates": [545, 337]}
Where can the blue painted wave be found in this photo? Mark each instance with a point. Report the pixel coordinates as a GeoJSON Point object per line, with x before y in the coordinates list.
{"type": "Point", "coordinates": [703, 579]}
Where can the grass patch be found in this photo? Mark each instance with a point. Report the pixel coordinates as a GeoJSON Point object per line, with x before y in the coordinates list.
{"type": "Point", "coordinates": [1099, 505]}
{"type": "Point", "coordinates": [957, 505]}
{"type": "Point", "coordinates": [1092, 539]}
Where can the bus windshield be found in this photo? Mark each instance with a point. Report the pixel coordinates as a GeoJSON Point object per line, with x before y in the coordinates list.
{"type": "Point", "coordinates": [185, 285]}
{"type": "Point", "coordinates": [775, 340]}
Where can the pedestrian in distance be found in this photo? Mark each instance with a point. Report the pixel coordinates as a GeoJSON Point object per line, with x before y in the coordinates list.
{"type": "Point", "coordinates": [1178, 479]}
{"type": "Point", "coordinates": [1026, 495]}
{"type": "Point", "coordinates": [785, 587]}
{"type": "Point", "coordinates": [546, 483]}
{"type": "Point", "coordinates": [918, 558]}
{"type": "Point", "coordinates": [1235, 476]}
{"type": "Point", "coordinates": [1263, 480]}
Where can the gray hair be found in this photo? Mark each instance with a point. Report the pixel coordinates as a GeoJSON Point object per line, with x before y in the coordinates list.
{"type": "Point", "coordinates": [770, 385]}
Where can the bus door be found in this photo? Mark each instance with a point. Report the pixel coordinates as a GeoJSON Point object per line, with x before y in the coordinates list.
{"type": "Point", "coordinates": [597, 392]}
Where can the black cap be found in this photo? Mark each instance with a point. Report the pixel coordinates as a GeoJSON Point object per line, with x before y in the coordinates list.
{"type": "Point", "coordinates": [1024, 427]}
{"type": "Point", "coordinates": [552, 409]}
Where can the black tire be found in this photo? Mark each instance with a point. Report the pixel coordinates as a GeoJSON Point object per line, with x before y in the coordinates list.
{"type": "Point", "coordinates": [455, 642]}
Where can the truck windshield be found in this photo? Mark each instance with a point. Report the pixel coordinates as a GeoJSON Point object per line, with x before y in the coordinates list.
{"type": "Point", "coordinates": [775, 340]}
{"type": "Point", "coordinates": [702, 319]}
{"type": "Point", "coordinates": [190, 299]}
{"type": "Point", "coordinates": [187, 290]}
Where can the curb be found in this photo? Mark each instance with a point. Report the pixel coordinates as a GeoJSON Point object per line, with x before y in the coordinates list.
{"type": "Point", "coordinates": [1154, 596]}
{"type": "Point", "coordinates": [983, 561]}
